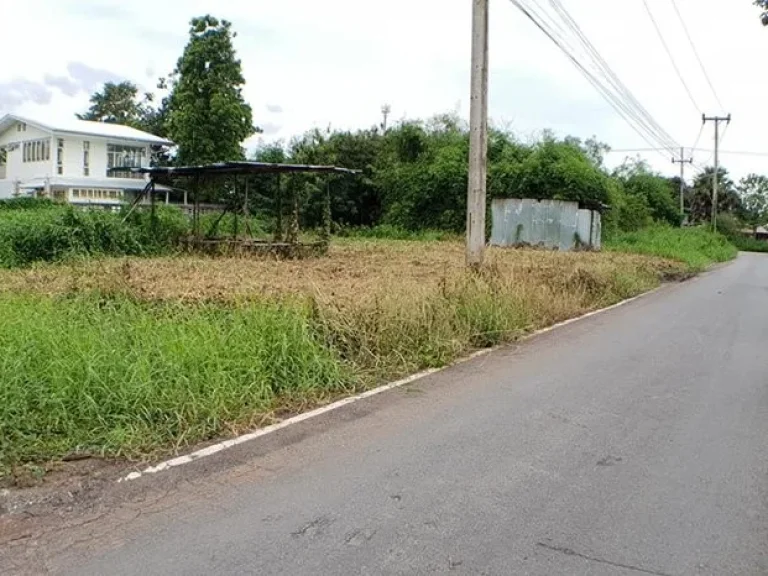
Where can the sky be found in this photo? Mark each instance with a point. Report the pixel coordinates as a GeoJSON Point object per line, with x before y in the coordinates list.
{"type": "Point", "coordinates": [335, 63]}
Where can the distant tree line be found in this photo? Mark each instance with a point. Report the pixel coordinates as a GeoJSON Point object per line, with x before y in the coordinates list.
{"type": "Point", "coordinates": [414, 174]}
{"type": "Point", "coordinates": [415, 177]}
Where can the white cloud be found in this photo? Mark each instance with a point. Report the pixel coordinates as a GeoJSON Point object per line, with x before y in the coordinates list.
{"type": "Point", "coordinates": [336, 62]}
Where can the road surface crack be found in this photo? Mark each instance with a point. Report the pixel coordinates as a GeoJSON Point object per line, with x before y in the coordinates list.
{"type": "Point", "coordinates": [314, 526]}
{"type": "Point", "coordinates": [571, 552]}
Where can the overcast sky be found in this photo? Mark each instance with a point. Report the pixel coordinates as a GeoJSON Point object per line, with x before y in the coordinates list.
{"type": "Point", "coordinates": [314, 64]}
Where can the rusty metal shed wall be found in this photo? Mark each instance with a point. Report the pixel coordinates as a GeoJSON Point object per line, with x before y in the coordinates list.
{"type": "Point", "coordinates": [552, 224]}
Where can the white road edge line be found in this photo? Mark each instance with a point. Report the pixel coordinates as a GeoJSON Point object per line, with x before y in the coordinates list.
{"type": "Point", "coordinates": [226, 444]}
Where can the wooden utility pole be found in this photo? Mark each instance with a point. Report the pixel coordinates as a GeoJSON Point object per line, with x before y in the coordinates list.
{"type": "Point", "coordinates": [682, 161]}
{"type": "Point", "coordinates": [716, 120]}
{"type": "Point", "coordinates": [478, 137]}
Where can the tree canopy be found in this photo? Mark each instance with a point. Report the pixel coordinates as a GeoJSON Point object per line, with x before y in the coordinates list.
{"type": "Point", "coordinates": [120, 103]}
{"type": "Point", "coordinates": [753, 191]}
{"type": "Point", "coordinates": [208, 117]}
{"type": "Point", "coordinates": [700, 197]}
{"type": "Point", "coordinates": [651, 192]}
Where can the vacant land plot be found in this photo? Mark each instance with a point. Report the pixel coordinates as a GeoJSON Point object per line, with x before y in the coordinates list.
{"type": "Point", "coordinates": [354, 270]}
{"type": "Point", "coordinates": [132, 357]}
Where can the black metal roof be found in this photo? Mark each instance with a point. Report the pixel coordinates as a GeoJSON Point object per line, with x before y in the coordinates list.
{"type": "Point", "coordinates": [240, 168]}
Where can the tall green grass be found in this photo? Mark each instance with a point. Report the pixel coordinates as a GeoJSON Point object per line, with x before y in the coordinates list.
{"type": "Point", "coordinates": [749, 244]}
{"type": "Point", "coordinates": [111, 375]}
{"type": "Point", "coordinates": [697, 247]}
{"type": "Point", "coordinates": [389, 232]}
{"type": "Point", "coordinates": [105, 373]}
{"type": "Point", "coordinates": [39, 231]}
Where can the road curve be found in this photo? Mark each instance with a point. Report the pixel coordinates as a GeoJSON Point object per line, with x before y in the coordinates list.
{"type": "Point", "coordinates": [634, 442]}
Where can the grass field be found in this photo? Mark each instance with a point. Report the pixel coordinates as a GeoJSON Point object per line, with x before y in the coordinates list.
{"type": "Point", "coordinates": [749, 244]}
{"type": "Point", "coordinates": [696, 247]}
{"type": "Point", "coordinates": [137, 357]}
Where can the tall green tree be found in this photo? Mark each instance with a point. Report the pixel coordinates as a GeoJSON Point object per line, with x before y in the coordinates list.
{"type": "Point", "coordinates": [700, 200]}
{"type": "Point", "coordinates": [753, 191]}
{"type": "Point", "coordinates": [651, 190]}
{"type": "Point", "coordinates": [208, 117]}
{"type": "Point", "coordinates": [121, 103]}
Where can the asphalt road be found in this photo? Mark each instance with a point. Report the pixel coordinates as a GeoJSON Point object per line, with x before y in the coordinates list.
{"type": "Point", "coordinates": [634, 442]}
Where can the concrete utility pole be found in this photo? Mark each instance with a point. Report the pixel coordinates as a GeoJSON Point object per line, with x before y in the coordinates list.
{"type": "Point", "coordinates": [716, 120]}
{"type": "Point", "coordinates": [478, 137]}
{"type": "Point", "coordinates": [682, 161]}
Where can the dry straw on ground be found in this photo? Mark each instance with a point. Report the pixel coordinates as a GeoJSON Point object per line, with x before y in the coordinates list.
{"type": "Point", "coordinates": [353, 272]}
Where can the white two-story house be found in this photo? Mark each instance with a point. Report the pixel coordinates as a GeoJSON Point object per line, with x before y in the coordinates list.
{"type": "Point", "coordinates": [70, 161]}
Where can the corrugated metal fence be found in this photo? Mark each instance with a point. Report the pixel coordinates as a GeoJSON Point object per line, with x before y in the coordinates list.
{"type": "Point", "coordinates": [553, 224]}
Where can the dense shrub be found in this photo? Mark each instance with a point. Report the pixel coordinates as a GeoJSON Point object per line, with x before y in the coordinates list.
{"type": "Point", "coordinates": [734, 229]}
{"type": "Point", "coordinates": [729, 225]}
{"type": "Point", "coordinates": [39, 231]}
{"type": "Point", "coordinates": [414, 177]}
{"type": "Point", "coordinates": [25, 203]}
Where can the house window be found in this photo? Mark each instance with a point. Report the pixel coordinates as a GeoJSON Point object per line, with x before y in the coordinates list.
{"type": "Point", "coordinates": [36, 151]}
{"type": "Point", "coordinates": [86, 158]}
{"type": "Point", "coordinates": [119, 156]}
{"type": "Point", "coordinates": [21, 127]}
{"type": "Point", "coordinates": [96, 194]}
{"type": "Point", "coordinates": [60, 156]}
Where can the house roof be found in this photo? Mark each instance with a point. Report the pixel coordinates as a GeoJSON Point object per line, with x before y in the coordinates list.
{"type": "Point", "coordinates": [87, 128]}
{"type": "Point", "coordinates": [239, 168]}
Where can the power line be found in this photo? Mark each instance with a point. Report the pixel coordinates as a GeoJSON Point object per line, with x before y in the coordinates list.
{"type": "Point", "coordinates": [671, 57]}
{"type": "Point", "coordinates": [696, 52]}
{"type": "Point", "coordinates": [613, 91]}
{"type": "Point", "coordinates": [640, 113]}
{"type": "Point", "coordinates": [617, 104]}
{"type": "Point", "coordinates": [705, 150]}
{"type": "Point", "coordinates": [696, 143]}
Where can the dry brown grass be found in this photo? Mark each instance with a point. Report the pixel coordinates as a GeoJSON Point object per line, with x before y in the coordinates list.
{"type": "Point", "coordinates": [353, 272]}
